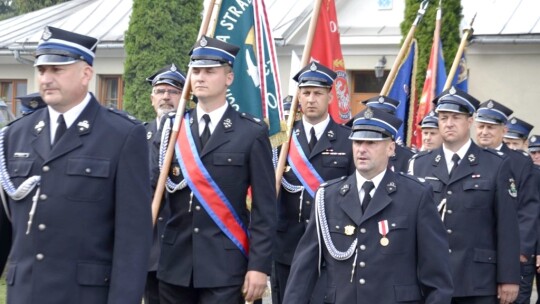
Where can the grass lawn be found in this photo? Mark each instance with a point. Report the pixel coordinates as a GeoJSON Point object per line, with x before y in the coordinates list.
{"type": "Point", "coordinates": [2, 290]}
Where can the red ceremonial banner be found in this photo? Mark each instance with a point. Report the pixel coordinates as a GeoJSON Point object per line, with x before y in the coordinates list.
{"type": "Point", "coordinates": [326, 50]}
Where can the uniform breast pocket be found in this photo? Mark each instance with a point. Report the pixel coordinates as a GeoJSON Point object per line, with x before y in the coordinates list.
{"type": "Point", "coordinates": [335, 161]}
{"type": "Point", "coordinates": [342, 232]}
{"type": "Point", "coordinates": [20, 168]}
{"type": "Point", "coordinates": [233, 167]}
{"type": "Point", "coordinates": [88, 179]}
{"type": "Point", "coordinates": [435, 183]}
{"type": "Point", "coordinates": [478, 189]}
{"type": "Point", "coordinates": [398, 239]}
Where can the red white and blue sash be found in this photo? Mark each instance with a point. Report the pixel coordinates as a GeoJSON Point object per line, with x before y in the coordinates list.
{"type": "Point", "coordinates": [304, 170]}
{"type": "Point", "coordinates": [207, 191]}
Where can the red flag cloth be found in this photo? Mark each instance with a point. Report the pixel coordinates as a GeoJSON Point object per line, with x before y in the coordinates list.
{"type": "Point", "coordinates": [428, 94]}
{"type": "Point", "coordinates": [326, 49]}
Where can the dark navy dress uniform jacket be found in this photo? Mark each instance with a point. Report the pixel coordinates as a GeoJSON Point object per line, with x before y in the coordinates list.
{"type": "Point", "coordinates": [412, 268]}
{"type": "Point", "coordinates": [480, 218]}
{"type": "Point", "coordinates": [194, 249]}
{"type": "Point", "coordinates": [91, 233]}
{"type": "Point", "coordinates": [331, 158]}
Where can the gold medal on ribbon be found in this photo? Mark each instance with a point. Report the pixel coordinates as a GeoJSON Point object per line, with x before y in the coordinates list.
{"type": "Point", "coordinates": [385, 241]}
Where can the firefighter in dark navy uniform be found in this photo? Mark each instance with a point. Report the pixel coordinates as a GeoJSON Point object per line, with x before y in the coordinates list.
{"type": "Point", "coordinates": [167, 85]}
{"type": "Point", "coordinates": [77, 182]}
{"type": "Point", "coordinates": [517, 134]}
{"type": "Point", "coordinates": [490, 125]}
{"type": "Point", "coordinates": [377, 231]}
{"type": "Point", "coordinates": [31, 103]}
{"type": "Point", "coordinates": [476, 196]}
{"type": "Point", "coordinates": [400, 160]}
{"type": "Point", "coordinates": [324, 145]}
{"type": "Point", "coordinates": [431, 137]}
{"type": "Point", "coordinates": [215, 249]}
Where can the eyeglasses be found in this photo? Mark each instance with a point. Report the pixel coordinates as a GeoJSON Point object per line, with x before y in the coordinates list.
{"type": "Point", "coordinates": [163, 91]}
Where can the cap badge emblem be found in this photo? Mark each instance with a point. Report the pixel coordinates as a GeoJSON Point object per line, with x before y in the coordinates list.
{"type": "Point", "coordinates": [46, 34]}
{"type": "Point", "coordinates": [490, 104]}
{"type": "Point", "coordinates": [33, 104]}
{"type": "Point", "coordinates": [452, 91]}
{"type": "Point", "coordinates": [391, 186]}
{"type": "Point", "coordinates": [203, 42]}
{"type": "Point", "coordinates": [173, 68]}
{"type": "Point", "coordinates": [381, 99]}
{"type": "Point", "coordinates": [513, 121]}
{"type": "Point", "coordinates": [533, 139]}
{"type": "Point", "coordinates": [313, 67]}
{"type": "Point", "coordinates": [148, 135]}
{"type": "Point", "coordinates": [368, 114]}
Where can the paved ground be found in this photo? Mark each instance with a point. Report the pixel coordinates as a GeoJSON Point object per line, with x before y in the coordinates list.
{"type": "Point", "coordinates": [534, 297]}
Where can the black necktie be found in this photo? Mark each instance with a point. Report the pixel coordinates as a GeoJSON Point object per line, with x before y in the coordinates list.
{"type": "Point", "coordinates": [455, 159]}
{"type": "Point", "coordinates": [313, 139]}
{"type": "Point", "coordinates": [60, 129]}
{"type": "Point", "coordinates": [205, 136]}
{"type": "Point", "coordinates": [367, 187]}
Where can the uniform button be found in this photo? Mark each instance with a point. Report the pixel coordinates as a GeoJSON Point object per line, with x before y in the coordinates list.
{"type": "Point", "coordinates": [40, 256]}
{"type": "Point", "coordinates": [43, 197]}
{"type": "Point", "coordinates": [335, 162]}
{"type": "Point", "coordinates": [393, 225]}
{"type": "Point", "coordinates": [307, 221]}
{"type": "Point", "coordinates": [362, 230]}
{"type": "Point", "coordinates": [88, 170]}
{"type": "Point", "coordinates": [229, 160]}
{"type": "Point", "coordinates": [362, 247]}
{"type": "Point", "coordinates": [160, 219]}
{"type": "Point", "coordinates": [308, 202]}
{"type": "Point", "coordinates": [362, 281]}
{"type": "Point", "coordinates": [198, 208]}
{"type": "Point", "coordinates": [42, 227]}
{"type": "Point", "coordinates": [46, 168]}
{"type": "Point", "coordinates": [196, 230]}
{"type": "Point", "coordinates": [362, 264]}
{"type": "Point", "coordinates": [15, 170]}
{"type": "Point", "coordinates": [476, 186]}
{"type": "Point", "coordinates": [106, 280]}
{"type": "Point", "coordinates": [337, 227]}
{"type": "Point", "coordinates": [449, 231]}
{"type": "Point", "coordinates": [449, 211]}
{"type": "Point", "coordinates": [449, 250]}
{"type": "Point", "coordinates": [449, 192]}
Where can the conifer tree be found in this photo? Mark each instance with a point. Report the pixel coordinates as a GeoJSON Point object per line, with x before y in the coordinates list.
{"type": "Point", "coordinates": [26, 6]}
{"type": "Point", "coordinates": [450, 33]}
{"type": "Point", "coordinates": [159, 33]}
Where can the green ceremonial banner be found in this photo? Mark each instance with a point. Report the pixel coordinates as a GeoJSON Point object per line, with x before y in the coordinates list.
{"type": "Point", "coordinates": [256, 88]}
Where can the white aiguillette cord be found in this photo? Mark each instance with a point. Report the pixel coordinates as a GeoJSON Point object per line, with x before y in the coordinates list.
{"type": "Point", "coordinates": [22, 191]}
